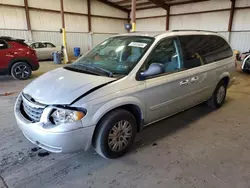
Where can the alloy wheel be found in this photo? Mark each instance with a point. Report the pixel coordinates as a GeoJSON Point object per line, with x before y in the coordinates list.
{"type": "Point", "coordinates": [119, 136]}
{"type": "Point", "coordinates": [22, 71]}
{"type": "Point", "coordinates": [221, 94]}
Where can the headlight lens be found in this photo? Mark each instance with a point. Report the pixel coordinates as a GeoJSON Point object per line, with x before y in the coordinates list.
{"type": "Point", "coordinates": [60, 116]}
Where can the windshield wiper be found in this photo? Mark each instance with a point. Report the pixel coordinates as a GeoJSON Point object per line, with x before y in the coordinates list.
{"type": "Point", "coordinates": [94, 69]}
{"type": "Point", "coordinates": [80, 69]}
{"type": "Point", "coordinates": [107, 72]}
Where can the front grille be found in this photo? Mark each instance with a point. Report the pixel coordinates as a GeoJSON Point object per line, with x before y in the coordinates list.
{"type": "Point", "coordinates": [31, 110]}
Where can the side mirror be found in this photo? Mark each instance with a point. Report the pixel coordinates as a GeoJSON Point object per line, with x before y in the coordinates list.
{"type": "Point", "coordinates": [153, 69]}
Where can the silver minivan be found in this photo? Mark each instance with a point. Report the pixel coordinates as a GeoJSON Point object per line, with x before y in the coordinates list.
{"type": "Point", "coordinates": [105, 99]}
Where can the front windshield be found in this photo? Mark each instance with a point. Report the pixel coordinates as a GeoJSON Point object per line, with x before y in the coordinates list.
{"type": "Point", "coordinates": [116, 55]}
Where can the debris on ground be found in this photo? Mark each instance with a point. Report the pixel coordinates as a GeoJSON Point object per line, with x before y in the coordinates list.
{"type": "Point", "coordinates": [8, 93]}
{"type": "Point", "coordinates": [35, 149]}
{"type": "Point", "coordinates": [43, 153]}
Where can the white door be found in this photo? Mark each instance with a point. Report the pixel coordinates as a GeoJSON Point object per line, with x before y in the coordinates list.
{"type": "Point", "coordinates": [49, 49]}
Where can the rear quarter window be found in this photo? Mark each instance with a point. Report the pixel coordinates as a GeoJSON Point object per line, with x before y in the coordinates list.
{"type": "Point", "coordinates": [3, 45]}
{"type": "Point", "coordinates": [209, 48]}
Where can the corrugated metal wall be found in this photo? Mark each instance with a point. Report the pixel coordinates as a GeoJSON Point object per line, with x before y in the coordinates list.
{"type": "Point", "coordinates": [214, 21]}
{"type": "Point", "coordinates": [78, 6]}
{"type": "Point", "coordinates": [242, 3]}
{"type": "Point", "coordinates": [45, 4]}
{"type": "Point", "coordinates": [98, 8]}
{"type": "Point", "coordinates": [14, 33]}
{"type": "Point", "coordinates": [240, 41]}
{"type": "Point", "coordinates": [45, 25]}
{"type": "Point", "coordinates": [106, 25]}
{"type": "Point", "coordinates": [76, 23]}
{"type": "Point", "coordinates": [151, 24]}
{"type": "Point", "coordinates": [12, 2]}
{"type": "Point", "coordinates": [52, 36]}
{"type": "Point", "coordinates": [202, 6]}
{"type": "Point", "coordinates": [98, 38]}
{"type": "Point", "coordinates": [77, 40]}
{"type": "Point", "coordinates": [240, 37]}
{"type": "Point", "coordinates": [12, 18]}
{"type": "Point", "coordinates": [45, 21]}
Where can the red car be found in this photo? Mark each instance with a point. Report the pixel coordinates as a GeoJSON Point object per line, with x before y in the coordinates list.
{"type": "Point", "coordinates": [17, 58]}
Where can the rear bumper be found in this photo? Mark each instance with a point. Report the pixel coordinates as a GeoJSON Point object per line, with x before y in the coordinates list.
{"type": "Point", "coordinates": [35, 65]}
{"type": "Point", "coordinates": [4, 71]}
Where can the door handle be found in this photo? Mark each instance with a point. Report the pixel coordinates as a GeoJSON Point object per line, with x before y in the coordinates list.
{"type": "Point", "coordinates": [194, 79]}
{"type": "Point", "coordinates": [184, 82]}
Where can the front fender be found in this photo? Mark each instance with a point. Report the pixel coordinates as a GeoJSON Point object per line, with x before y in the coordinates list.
{"type": "Point", "coordinates": [116, 103]}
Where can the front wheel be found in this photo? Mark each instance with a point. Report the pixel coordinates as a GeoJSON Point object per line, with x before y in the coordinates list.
{"type": "Point", "coordinates": [21, 71]}
{"type": "Point", "coordinates": [219, 95]}
{"type": "Point", "coordinates": [115, 134]}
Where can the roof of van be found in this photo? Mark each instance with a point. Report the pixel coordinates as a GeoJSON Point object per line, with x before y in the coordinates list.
{"type": "Point", "coordinates": [173, 32]}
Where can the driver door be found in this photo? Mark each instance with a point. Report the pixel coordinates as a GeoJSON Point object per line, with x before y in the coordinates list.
{"type": "Point", "coordinates": [166, 93]}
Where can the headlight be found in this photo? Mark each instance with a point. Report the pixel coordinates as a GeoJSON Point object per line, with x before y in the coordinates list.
{"type": "Point", "coordinates": [60, 116]}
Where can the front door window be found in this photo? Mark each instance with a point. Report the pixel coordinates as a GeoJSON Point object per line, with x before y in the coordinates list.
{"type": "Point", "coordinates": [167, 55]}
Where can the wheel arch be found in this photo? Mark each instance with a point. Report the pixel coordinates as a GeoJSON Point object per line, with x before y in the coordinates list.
{"type": "Point", "coordinates": [226, 77]}
{"type": "Point", "coordinates": [16, 60]}
{"type": "Point", "coordinates": [131, 104]}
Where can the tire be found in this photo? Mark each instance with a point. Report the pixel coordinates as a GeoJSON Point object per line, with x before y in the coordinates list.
{"type": "Point", "coordinates": [246, 71]}
{"type": "Point", "coordinates": [105, 140]}
{"type": "Point", "coordinates": [219, 95]}
{"type": "Point", "coordinates": [21, 71]}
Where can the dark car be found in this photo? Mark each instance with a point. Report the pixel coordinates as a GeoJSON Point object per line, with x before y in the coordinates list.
{"type": "Point", "coordinates": [17, 58]}
{"type": "Point", "coordinates": [246, 64]}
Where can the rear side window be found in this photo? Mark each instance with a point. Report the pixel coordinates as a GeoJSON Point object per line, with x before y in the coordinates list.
{"type": "Point", "coordinates": [37, 45]}
{"type": "Point", "coordinates": [204, 49]}
{"type": "Point", "coordinates": [49, 45]}
{"type": "Point", "coordinates": [167, 54]}
{"type": "Point", "coordinates": [3, 45]}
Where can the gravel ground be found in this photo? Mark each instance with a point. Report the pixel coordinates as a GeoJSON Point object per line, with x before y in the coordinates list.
{"type": "Point", "coordinates": [196, 148]}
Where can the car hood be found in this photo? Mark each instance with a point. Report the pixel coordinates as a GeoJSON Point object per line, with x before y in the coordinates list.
{"type": "Point", "coordinates": [63, 86]}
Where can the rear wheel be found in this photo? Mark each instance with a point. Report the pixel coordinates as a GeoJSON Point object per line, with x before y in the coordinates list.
{"type": "Point", "coordinates": [219, 95]}
{"type": "Point", "coordinates": [246, 71]}
{"type": "Point", "coordinates": [21, 71]}
{"type": "Point", "coordinates": [115, 134]}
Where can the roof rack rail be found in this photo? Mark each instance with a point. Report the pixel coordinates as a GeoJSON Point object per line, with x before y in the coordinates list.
{"type": "Point", "coordinates": [194, 30]}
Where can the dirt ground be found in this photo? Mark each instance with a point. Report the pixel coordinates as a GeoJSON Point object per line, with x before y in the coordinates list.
{"type": "Point", "coordinates": [197, 148]}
